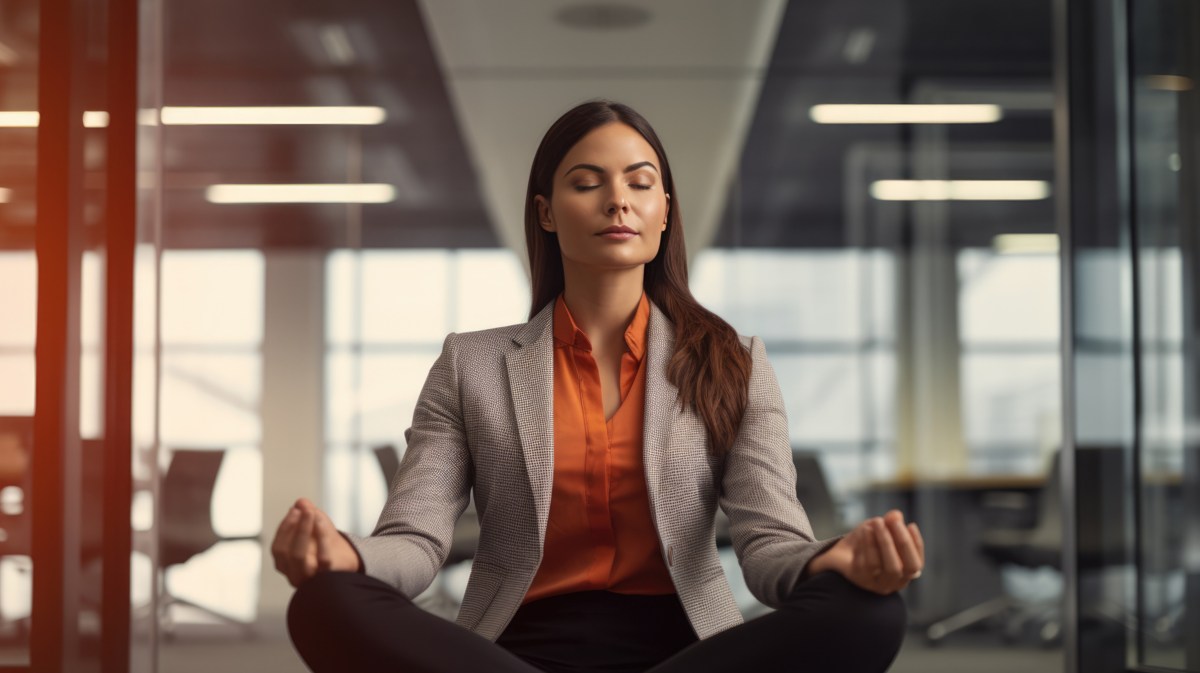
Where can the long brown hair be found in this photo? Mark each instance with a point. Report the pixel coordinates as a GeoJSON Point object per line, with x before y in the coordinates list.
{"type": "Point", "coordinates": [710, 367]}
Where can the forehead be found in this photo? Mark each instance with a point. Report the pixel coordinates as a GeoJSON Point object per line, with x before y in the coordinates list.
{"type": "Point", "coordinates": [611, 146]}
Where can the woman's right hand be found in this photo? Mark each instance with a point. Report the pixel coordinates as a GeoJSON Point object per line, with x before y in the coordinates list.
{"type": "Point", "coordinates": [306, 543]}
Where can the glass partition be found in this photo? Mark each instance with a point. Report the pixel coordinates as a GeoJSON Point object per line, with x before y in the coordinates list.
{"type": "Point", "coordinates": [19, 41]}
{"type": "Point", "coordinates": [1164, 77]}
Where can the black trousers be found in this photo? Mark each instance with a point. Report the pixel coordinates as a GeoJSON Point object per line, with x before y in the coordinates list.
{"type": "Point", "coordinates": [352, 622]}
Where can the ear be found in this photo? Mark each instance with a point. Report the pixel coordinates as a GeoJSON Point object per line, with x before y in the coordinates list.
{"type": "Point", "coordinates": [668, 209]}
{"type": "Point", "coordinates": [543, 208]}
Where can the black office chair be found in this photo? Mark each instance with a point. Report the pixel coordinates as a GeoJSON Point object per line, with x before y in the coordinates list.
{"type": "Point", "coordinates": [185, 525]}
{"type": "Point", "coordinates": [812, 489]}
{"type": "Point", "coordinates": [389, 463]}
{"type": "Point", "coordinates": [1038, 546]}
{"type": "Point", "coordinates": [462, 546]}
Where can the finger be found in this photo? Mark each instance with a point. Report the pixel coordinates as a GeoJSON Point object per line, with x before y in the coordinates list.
{"type": "Point", "coordinates": [918, 541]}
{"type": "Point", "coordinates": [302, 552]}
{"type": "Point", "coordinates": [905, 547]}
{"type": "Point", "coordinates": [325, 533]}
{"type": "Point", "coordinates": [893, 567]}
{"type": "Point", "coordinates": [282, 543]}
{"type": "Point", "coordinates": [860, 539]}
{"type": "Point", "coordinates": [871, 558]}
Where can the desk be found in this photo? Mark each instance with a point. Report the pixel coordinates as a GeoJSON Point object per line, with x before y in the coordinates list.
{"type": "Point", "coordinates": [951, 513]}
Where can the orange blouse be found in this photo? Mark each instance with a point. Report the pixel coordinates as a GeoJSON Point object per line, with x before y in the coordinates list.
{"type": "Point", "coordinates": [600, 534]}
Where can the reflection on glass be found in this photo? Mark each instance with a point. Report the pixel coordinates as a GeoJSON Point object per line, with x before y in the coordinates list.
{"type": "Point", "coordinates": [18, 323]}
{"type": "Point", "coordinates": [212, 331]}
{"type": "Point", "coordinates": [1164, 76]}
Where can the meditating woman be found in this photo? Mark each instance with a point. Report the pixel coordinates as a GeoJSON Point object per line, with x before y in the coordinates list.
{"type": "Point", "coordinates": [599, 438]}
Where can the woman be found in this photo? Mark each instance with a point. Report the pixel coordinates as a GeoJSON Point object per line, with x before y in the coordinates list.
{"type": "Point", "coordinates": [599, 439]}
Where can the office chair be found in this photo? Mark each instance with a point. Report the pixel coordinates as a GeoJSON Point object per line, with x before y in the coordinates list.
{"type": "Point", "coordinates": [16, 540]}
{"type": "Point", "coordinates": [1035, 547]}
{"type": "Point", "coordinates": [185, 526]}
{"type": "Point", "coordinates": [812, 489]}
{"type": "Point", "coordinates": [814, 494]}
{"type": "Point", "coordinates": [462, 546]}
{"type": "Point", "coordinates": [389, 464]}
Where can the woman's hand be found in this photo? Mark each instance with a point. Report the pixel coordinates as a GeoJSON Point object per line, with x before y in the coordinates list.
{"type": "Point", "coordinates": [306, 543]}
{"type": "Point", "coordinates": [881, 554]}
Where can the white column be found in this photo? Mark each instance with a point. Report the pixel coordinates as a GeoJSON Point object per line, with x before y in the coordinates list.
{"type": "Point", "coordinates": [292, 402]}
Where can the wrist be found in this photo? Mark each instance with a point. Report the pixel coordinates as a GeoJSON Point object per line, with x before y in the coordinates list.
{"type": "Point", "coordinates": [828, 559]}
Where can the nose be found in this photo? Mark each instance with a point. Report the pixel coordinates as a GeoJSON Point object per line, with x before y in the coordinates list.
{"type": "Point", "coordinates": [615, 203]}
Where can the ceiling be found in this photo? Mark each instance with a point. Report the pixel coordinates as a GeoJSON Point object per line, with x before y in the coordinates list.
{"type": "Point", "coordinates": [470, 85]}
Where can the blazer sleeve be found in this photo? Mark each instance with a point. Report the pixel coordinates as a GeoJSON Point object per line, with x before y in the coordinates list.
{"type": "Point", "coordinates": [771, 533]}
{"type": "Point", "coordinates": [430, 490]}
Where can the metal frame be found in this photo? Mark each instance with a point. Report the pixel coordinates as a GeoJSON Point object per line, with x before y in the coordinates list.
{"type": "Point", "coordinates": [57, 457]}
{"type": "Point", "coordinates": [120, 242]}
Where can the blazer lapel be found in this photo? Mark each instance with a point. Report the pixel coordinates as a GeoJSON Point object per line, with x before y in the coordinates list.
{"type": "Point", "coordinates": [531, 384]}
{"type": "Point", "coordinates": [662, 402]}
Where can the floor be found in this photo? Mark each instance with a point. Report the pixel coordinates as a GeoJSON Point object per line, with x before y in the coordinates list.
{"type": "Point", "coordinates": [196, 652]}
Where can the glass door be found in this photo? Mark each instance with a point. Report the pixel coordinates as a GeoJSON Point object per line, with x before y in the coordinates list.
{"type": "Point", "coordinates": [1133, 537]}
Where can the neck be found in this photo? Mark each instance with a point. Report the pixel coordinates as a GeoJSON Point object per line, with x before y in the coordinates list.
{"type": "Point", "coordinates": [603, 304]}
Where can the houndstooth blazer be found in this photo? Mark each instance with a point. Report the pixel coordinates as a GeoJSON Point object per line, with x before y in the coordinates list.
{"type": "Point", "coordinates": [484, 420]}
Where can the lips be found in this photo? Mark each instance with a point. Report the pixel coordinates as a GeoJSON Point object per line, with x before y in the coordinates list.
{"type": "Point", "coordinates": [617, 229]}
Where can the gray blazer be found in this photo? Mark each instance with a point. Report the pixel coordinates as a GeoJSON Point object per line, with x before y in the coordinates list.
{"type": "Point", "coordinates": [484, 420]}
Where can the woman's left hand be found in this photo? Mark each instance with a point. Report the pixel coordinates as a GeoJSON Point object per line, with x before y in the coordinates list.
{"type": "Point", "coordinates": [881, 554]}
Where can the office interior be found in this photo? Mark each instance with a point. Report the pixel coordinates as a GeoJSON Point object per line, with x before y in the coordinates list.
{"type": "Point", "coordinates": [233, 236]}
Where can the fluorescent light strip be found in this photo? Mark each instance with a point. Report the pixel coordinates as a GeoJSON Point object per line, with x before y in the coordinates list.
{"type": "Point", "coordinates": [1024, 244]}
{"type": "Point", "coordinates": [5, 195]}
{"type": "Point", "coordinates": [1170, 82]}
{"type": "Point", "coordinates": [95, 120]}
{"type": "Point", "coordinates": [352, 116]}
{"type": "Point", "coordinates": [335, 193]}
{"type": "Point", "coordinates": [960, 190]}
{"type": "Point", "coordinates": [905, 114]}
{"type": "Point", "coordinates": [19, 120]}
{"type": "Point", "coordinates": [194, 116]}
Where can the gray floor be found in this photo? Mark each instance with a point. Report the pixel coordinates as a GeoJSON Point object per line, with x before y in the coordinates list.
{"type": "Point", "coordinates": [204, 650]}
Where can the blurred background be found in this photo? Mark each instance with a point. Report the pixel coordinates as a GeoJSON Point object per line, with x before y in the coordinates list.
{"type": "Point", "coordinates": [979, 300]}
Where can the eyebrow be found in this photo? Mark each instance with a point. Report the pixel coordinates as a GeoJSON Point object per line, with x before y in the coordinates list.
{"type": "Point", "coordinates": [628, 169]}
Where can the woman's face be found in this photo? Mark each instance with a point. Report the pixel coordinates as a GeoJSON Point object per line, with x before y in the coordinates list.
{"type": "Point", "coordinates": [608, 206]}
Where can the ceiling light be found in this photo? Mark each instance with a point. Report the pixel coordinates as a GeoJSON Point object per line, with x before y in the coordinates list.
{"type": "Point", "coordinates": [5, 195]}
{"type": "Point", "coordinates": [1025, 244]}
{"type": "Point", "coordinates": [960, 190]}
{"type": "Point", "coordinates": [905, 114]}
{"type": "Point", "coordinates": [19, 119]}
{"type": "Point", "coordinates": [1170, 82]}
{"type": "Point", "coordinates": [334, 193]}
{"type": "Point", "coordinates": [95, 120]}
{"type": "Point", "coordinates": [360, 115]}
{"type": "Point", "coordinates": [92, 119]}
